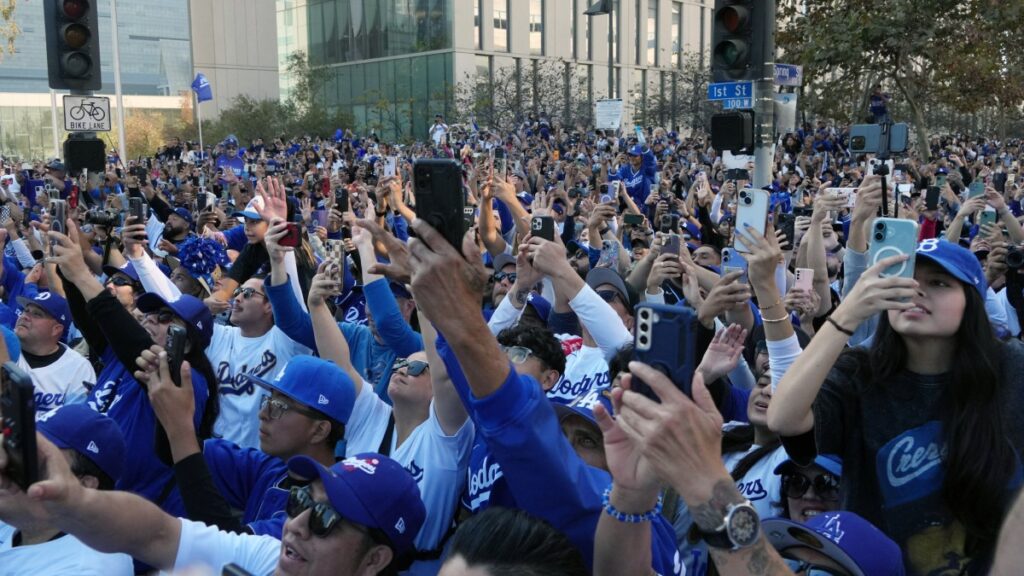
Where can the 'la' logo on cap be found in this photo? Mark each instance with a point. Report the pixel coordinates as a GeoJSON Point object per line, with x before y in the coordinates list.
{"type": "Point", "coordinates": [400, 526]}
{"type": "Point", "coordinates": [92, 447]}
{"type": "Point", "coordinates": [323, 400]}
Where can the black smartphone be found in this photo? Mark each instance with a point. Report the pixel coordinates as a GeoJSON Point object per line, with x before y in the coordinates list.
{"type": "Point", "coordinates": [234, 570]}
{"type": "Point", "coordinates": [802, 210]}
{"type": "Point", "coordinates": [176, 337]}
{"type": "Point", "coordinates": [137, 209]}
{"type": "Point", "coordinates": [787, 223]}
{"type": "Point", "coordinates": [18, 405]}
{"type": "Point", "coordinates": [543, 227]}
{"type": "Point", "coordinates": [633, 219]}
{"type": "Point", "coordinates": [665, 339]}
{"type": "Point", "coordinates": [58, 216]}
{"type": "Point", "coordinates": [667, 223]}
{"type": "Point", "coordinates": [439, 197]}
{"type": "Point", "coordinates": [469, 216]}
{"type": "Point", "coordinates": [341, 200]}
{"type": "Point", "coordinates": [931, 198]}
{"type": "Point", "coordinates": [737, 174]}
{"type": "Point", "coordinates": [202, 201]}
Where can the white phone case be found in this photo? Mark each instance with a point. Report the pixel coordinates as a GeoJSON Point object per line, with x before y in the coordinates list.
{"type": "Point", "coordinates": [752, 210]}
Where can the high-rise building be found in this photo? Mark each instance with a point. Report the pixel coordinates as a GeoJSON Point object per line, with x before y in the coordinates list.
{"type": "Point", "coordinates": [411, 54]}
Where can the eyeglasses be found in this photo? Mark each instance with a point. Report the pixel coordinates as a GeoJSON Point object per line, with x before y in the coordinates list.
{"type": "Point", "coordinates": [323, 517]}
{"type": "Point", "coordinates": [246, 293]}
{"type": "Point", "coordinates": [121, 281]}
{"type": "Point", "coordinates": [163, 316]}
{"type": "Point", "coordinates": [580, 254]}
{"type": "Point", "coordinates": [499, 276]}
{"type": "Point", "coordinates": [517, 354]}
{"type": "Point", "coordinates": [412, 367]}
{"type": "Point", "coordinates": [608, 296]}
{"type": "Point", "coordinates": [826, 486]}
{"type": "Point", "coordinates": [806, 568]}
{"type": "Point", "coordinates": [276, 408]}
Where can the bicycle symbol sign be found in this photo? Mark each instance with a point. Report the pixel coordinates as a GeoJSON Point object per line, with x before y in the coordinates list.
{"type": "Point", "coordinates": [86, 114]}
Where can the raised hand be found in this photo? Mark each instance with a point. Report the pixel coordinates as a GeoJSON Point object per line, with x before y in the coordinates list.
{"type": "Point", "coordinates": [723, 355]}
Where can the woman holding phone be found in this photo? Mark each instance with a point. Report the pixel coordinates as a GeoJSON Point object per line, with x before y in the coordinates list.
{"type": "Point", "coordinates": [921, 417]}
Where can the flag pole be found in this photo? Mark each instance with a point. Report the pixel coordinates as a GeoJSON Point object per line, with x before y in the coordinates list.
{"type": "Point", "coordinates": [199, 122]}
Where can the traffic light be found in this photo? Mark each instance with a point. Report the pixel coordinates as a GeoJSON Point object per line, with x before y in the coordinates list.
{"type": "Point", "coordinates": [742, 39]}
{"type": "Point", "coordinates": [72, 44]}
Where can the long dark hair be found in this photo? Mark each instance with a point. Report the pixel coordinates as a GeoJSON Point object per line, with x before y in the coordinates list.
{"type": "Point", "coordinates": [980, 459]}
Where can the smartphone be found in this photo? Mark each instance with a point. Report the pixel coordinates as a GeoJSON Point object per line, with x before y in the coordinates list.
{"type": "Point", "coordinates": [733, 261]}
{"type": "Point", "coordinates": [752, 211]}
{"type": "Point", "coordinates": [666, 339]}
{"type": "Point", "coordinates": [469, 216]}
{"type": "Point", "coordinates": [440, 199]}
{"type": "Point", "coordinates": [137, 209]}
{"type": "Point", "coordinates": [667, 223]}
{"type": "Point", "coordinates": [390, 166]}
{"type": "Point", "coordinates": [543, 227]}
{"type": "Point", "coordinates": [988, 216]}
{"type": "Point", "coordinates": [633, 219]}
{"type": "Point", "coordinates": [336, 252]}
{"type": "Point", "coordinates": [804, 279]}
{"type": "Point", "coordinates": [609, 255]}
{"type": "Point", "coordinates": [292, 237]}
{"type": "Point", "coordinates": [341, 203]}
{"type": "Point", "coordinates": [840, 192]}
{"type": "Point", "coordinates": [176, 337]}
{"type": "Point", "coordinates": [940, 180]}
{"type": "Point", "coordinates": [58, 216]}
{"type": "Point", "coordinates": [234, 570]}
{"type": "Point", "coordinates": [787, 223]}
{"type": "Point", "coordinates": [18, 405]}
{"type": "Point", "coordinates": [891, 237]}
{"type": "Point", "coordinates": [672, 245]}
{"type": "Point", "coordinates": [931, 198]}
{"type": "Point", "coordinates": [976, 189]}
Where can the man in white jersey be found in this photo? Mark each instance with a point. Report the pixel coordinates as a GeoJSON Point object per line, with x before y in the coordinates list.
{"type": "Point", "coordinates": [92, 447]}
{"type": "Point", "coordinates": [427, 429]}
{"type": "Point", "coordinates": [61, 375]}
{"type": "Point", "coordinates": [354, 519]}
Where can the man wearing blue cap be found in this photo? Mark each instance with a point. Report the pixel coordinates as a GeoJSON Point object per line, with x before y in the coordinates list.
{"type": "Point", "coordinates": [356, 518]}
{"type": "Point", "coordinates": [92, 448]}
{"type": "Point", "coordinates": [60, 374]}
{"type": "Point", "coordinates": [639, 173]}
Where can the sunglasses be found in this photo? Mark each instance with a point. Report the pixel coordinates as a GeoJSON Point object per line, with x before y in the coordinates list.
{"type": "Point", "coordinates": [163, 316]}
{"type": "Point", "coordinates": [412, 367]}
{"type": "Point", "coordinates": [517, 354]}
{"type": "Point", "coordinates": [276, 408]}
{"type": "Point", "coordinates": [323, 517]}
{"type": "Point", "coordinates": [246, 293]}
{"type": "Point", "coordinates": [499, 276]}
{"type": "Point", "coordinates": [806, 568]}
{"type": "Point", "coordinates": [121, 281]}
{"type": "Point", "coordinates": [826, 486]}
{"type": "Point", "coordinates": [608, 295]}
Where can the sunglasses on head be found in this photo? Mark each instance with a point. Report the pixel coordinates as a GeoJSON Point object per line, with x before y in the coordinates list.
{"type": "Point", "coordinates": [246, 293]}
{"type": "Point", "coordinates": [608, 295]}
{"type": "Point", "coordinates": [121, 281]}
{"type": "Point", "coordinates": [517, 354]}
{"type": "Point", "coordinates": [499, 276]}
{"type": "Point", "coordinates": [826, 486]}
{"type": "Point", "coordinates": [412, 367]}
{"type": "Point", "coordinates": [807, 568]}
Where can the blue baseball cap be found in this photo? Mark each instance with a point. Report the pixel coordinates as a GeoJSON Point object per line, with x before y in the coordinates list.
{"type": "Point", "coordinates": [959, 262]}
{"type": "Point", "coordinates": [371, 490]}
{"type": "Point", "coordinates": [399, 290]}
{"type": "Point", "coordinates": [189, 308]}
{"type": "Point", "coordinates": [184, 214]}
{"type": "Point", "coordinates": [250, 212]}
{"type": "Point", "coordinates": [846, 538]}
{"type": "Point", "coordinates": [636, 150]}
{"type": "Point", "coordinates": [540, 305]}
{"type": "Point", "coordinates": [584, 405]}
{"type": "Point", "coordinates": [829, 462]}
{"type": "Point", "coordinates": [93, 435]}
{"type": "Point", "coordinates": [315, 383]}
{"type": "Point", "coordinates": [53, 304]}
{"type": "Point", "coordinates": [128, 269]}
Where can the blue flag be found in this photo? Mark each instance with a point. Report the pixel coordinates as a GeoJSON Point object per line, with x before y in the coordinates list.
{"type": "Point", "coordinates": [201, 86]}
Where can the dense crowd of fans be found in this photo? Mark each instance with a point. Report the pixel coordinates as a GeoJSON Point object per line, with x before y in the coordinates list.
{"type": "Point", "coordinates": [355, 394]}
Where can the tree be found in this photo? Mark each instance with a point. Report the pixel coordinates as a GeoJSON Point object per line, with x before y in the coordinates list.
{"type": "Point", "coordinates": [500, 100]}
{"type": "Point", "coordinates": [9, 30]}
{"type": "Point", "coordinates": [962, 54]}
{"type": "Point", "coordinates": [681, 100]}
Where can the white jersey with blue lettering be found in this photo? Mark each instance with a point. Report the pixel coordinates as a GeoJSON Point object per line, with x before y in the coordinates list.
{"type": "Point", "coordinates": [232, 354]}
{"type": "Point", "coordinates": [64, 381]}
{"type": "Point", "coordinates": [62, 556]}
{"type": "Point", "coordinates": [761, 485]}
{"type": "Point", "coordinates": [203, 548]}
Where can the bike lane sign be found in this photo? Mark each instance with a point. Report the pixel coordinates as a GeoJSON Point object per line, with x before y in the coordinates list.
{"type": "Point", "coordinates": [86, 114]}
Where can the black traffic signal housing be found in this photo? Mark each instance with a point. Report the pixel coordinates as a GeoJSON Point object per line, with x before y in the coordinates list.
{"type": "Point", "coordinates": [733, 131]}
{"type": "Point", "coordinates": [72, 44]}
{"type": "Point", "coordinates": [742, 39]}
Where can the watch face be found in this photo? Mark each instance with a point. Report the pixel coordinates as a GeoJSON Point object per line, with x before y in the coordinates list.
{"type": "Point", "coordinates": [744, 526]}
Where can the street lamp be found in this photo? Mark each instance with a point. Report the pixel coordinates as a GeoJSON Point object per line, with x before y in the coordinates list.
{"type": "Point", "coordinates": [599, 8]}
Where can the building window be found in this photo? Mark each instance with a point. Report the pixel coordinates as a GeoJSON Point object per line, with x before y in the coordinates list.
{"type": "Point", "coordinates": [483, 67]}
{"type": "Point", "coordinates": [614, 31]}
{"type": "Point", "coordinates": [652, 33]}
{"type": "Point", "coordinates": [700, 49]}
{"type": "Point", "coordinates": [537, 27]}
{"type": "Point", "coordinates": [639, 46]}
{"type": "Point", "coordinates": [477, 28]}
{"type": "Point", "coordinates": [573, 18]}
{"type": "Point", "coordinates": [586, 38]}
{"type": "Point", "coordinates": [677, 33]}
{"type": "Point", "coordinates": [501, 25]}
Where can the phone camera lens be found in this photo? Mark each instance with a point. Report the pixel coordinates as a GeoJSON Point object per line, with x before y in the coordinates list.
{"type": "Point", "coordinates": [880, 226]}
{"type": "Point", "coordinates": [643, 340]}
{"type": "Point", "coordinates": [747, 201]}
{"type": "Point", "coordinates": [645, 313]}
{"type": "Point", "coordinates": [879, 236]}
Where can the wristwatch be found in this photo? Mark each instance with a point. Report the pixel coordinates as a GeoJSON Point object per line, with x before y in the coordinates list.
{"type": "Point", "coordinates": [740, 528]}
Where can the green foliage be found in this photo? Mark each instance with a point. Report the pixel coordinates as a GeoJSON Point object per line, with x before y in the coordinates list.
{"type": "Point", "coordinates": [9, 29]}
{"type": "Point", "coordinates": [682, 101]}
{"type": "Point", "coordinates": [961, 55]}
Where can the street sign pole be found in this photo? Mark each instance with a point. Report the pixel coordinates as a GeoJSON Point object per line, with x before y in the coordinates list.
{"type": "Point", "coordinates": [764, 102]}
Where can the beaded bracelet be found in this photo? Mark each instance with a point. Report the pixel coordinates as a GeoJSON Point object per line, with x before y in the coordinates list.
{"type": "Point", "coordinates": [629, 518]}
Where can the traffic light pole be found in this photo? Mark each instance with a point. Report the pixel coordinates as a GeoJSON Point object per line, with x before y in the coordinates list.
{"type": "Point", "coordinates": [764, 105]}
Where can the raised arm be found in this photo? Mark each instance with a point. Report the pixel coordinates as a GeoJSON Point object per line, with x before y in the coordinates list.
{"type": "Point", "coordinates": [451, 413]}
{"type": "Point", "coordinates": [329, 340]}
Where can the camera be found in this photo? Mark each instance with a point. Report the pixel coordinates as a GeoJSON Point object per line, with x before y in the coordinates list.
{"type": "Point", "coordinates": [745, 198]}
{"type": "Point", "coordinates": [102, 218]}
{"type": "Point", "coordinates": [1015, 258]}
